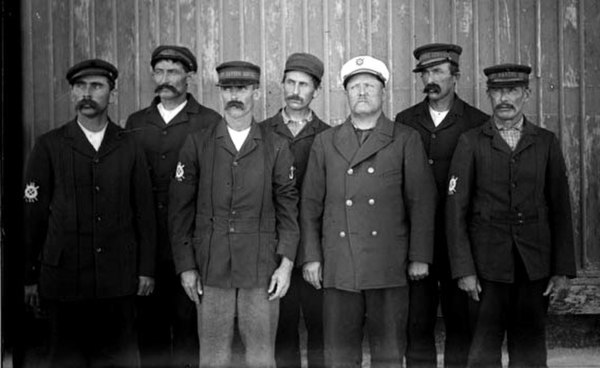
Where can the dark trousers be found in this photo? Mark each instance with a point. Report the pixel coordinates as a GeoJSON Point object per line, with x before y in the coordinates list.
{"type": "Point", "coordinates": [383, 312]}
{"type": "Point", "coordinates": [166, 323]}
{"type": "Point", "coordinates": [301, 296]}
{"type": "Point", "coordinates": [519, 310]}
{"type": "Point", "coordinates": [93, 333]}
{"type": "Point", "coordinates": [424, 297]}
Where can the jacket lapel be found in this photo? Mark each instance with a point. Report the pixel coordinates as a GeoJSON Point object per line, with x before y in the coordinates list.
{"type": "Point", "coordinates": [223, 139]}
{"type": "Point", "coordinates": [345, 141]}
{"type": "Point", "coordinates": [527, 137]}
{"type": "Point", "coordinates": [77, 140]}
{"type": "Point", "coordinates": [380, 137]}
{"type": "Point", "coordinates": [498, 142]}
{"type": "Point", "coordinates": [111, 140]}
{"type": "Point", "coordinates": [250, 143]}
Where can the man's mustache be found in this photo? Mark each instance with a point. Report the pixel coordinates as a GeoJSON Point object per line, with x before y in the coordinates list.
{"type": "Point", "coordinates": [504, 106]}
{"type": "Point", "coordinates": [432, 87]}
{"type": "Point", "coordinates": [160, 87]}
{"type": "Point", "coordinates": [294, 98]}
{"type": "Point", "coordinates": [86, 102]}
{"type": "Point", "coordinates": [237, 104]}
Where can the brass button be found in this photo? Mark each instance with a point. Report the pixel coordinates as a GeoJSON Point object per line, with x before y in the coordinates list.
{"type": "Point", "coordinates": [371, 201]}
{"type": "Point", "coordinates": [348, 202]}
{"type": "Point", "coordinates": [374, 233]}
{"type": "Point", "coordinates": [430, 161]}
{"type": "Point", "coordinates": [371, 170]}
{"type": "Point", "coordinates": [350, 171]}
{"type": "Point", "coordinates": [342, 234]}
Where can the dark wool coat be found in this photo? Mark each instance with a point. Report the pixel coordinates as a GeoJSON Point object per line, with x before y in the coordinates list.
{"type": "Point", "coordinates": [232, 214]}
{"type": "Point", "coordinates": [88, 217]}
{"type": "Point", "coordinates": [366, 211]}
{"type": "Point", "coordinates": [502, 201]}
{"type": "Point", "coordinates": [161, 143]}
{"type": "Point", "coordinates": [439, 143]}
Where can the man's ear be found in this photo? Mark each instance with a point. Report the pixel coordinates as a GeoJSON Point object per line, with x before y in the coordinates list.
{"type": "Point", "coordinates": [112, 97]}
{"type": "Point", "coordinates": [256, 93]}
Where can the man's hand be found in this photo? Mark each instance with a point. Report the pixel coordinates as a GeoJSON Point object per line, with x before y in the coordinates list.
{"type": "Point", "coordinates": [190, 280]}
{"type": "Point", "coordinates": [280, 281]}
{"type": "Point", "coordinates": [418, 270]}
{"type": "Point", "coordinates": [313, 274]}
{"type": "Point", "coordinates": [145, 285]}
{"type": "Point", "coordinates": [559, 286]}
{"type": "Point", "coordinates": [32, 296]}
{"type": "Point", "coordinates": [470, 285]}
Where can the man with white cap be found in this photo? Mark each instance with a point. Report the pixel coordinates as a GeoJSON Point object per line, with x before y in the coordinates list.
{"type": "Point", "coordinates": [367, 211]}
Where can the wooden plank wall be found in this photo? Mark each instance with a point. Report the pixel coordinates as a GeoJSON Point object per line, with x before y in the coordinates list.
{"type": "Point", "coordinates": [560, 39]}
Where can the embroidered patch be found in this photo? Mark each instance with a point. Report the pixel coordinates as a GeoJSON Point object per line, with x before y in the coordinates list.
{"type": "Point", "coordinates": [31, 192]}
{"type": "Point", "coordinates": [179, 172]}
{"type": "Point", "coordinates": [359, 61]}
{"type": "Point", "coordinates": [292, 173]}
{"type": "Point", "coordinates": [452, 185]}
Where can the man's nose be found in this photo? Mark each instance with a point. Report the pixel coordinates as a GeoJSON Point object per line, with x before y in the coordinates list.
{"type": "Point", "coordinates": [296, 88]}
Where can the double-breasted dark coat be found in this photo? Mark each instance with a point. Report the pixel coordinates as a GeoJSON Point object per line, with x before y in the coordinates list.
{"type": "Point", "coordinates": [367, 210]}
{"type": "Point", "coordinates": [502, 201]}
{"type": "Point", "coordinates": [440, 142]}
{"type": "Point", "coordinates": [88, 220]}
{"type": "Point", "coordinates": [233, 214]}
{"type": "Point", "coordinates": [161, 143]}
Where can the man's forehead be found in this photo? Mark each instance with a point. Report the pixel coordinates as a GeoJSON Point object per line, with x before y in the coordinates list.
{"type": "Point", "coordinates": [92, 78]}
{"type": "Point", "coordinates": [168, 63]}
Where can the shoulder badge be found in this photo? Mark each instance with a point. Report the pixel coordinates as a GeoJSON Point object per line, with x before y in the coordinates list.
{"type": "Point", "coordinates": [179, 172]}
{"type": "Point", "coordinates": [452, 185]}
{"type": "Point", "coordinates": [31, 192]}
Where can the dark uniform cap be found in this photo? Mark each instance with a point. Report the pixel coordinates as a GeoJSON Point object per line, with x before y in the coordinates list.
{"type": "Point", "coordinates": [238, 73]}
{"type": "Point", "coordinates": [92, 67]}
{"type": "Point", "coordinates": [306, 63]}
{"type": "Point", "coordinates": [507, 75]}
{"type": "Point", "coordinates": [177, 53]}
{"type": "Point", "coordinates": [435, 54]}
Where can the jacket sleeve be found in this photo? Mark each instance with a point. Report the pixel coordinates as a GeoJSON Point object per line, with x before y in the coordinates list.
{"type": "Point", "coordinates": [144, 214]}
{"type": "Point", "coordinates": [312, 204]}
{"type": "Point", "coordinates": [460, 187]}
{"type": "Point", "coordinates": [420, 195]}
{"type": "Point", "coordinates": [559, 213]}
{"type": "Point", "coordinates": [285, 196]}
{"type": "Point", "coordinates": [182, 206]}
{"type": "Point", "coordinates": [37, 196]}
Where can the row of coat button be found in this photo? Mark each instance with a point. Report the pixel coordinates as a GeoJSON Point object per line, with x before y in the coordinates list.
{"type": "Point", "coordinates": [370, 170]}
{"type": "Point", "coordinates": [349, 202]}
{"type": "Point", "coordinates": [343, 233]}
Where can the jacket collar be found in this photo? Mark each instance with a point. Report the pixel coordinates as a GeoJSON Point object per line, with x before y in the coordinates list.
{"type": "Point", "coordinates": [192, 107]}
{"type": "Point", "coordinates": [279, 127]}
{"type": "Point", "coordinates": [528, 134]}
{"type": "Point", "coordinates": [346, 142]}
{"type": "Point", "coordinates": [77, 139]}
{"type": "Point", "coordinates": [456, 111]}
{"type": "Point", "coordinates": [224, 139]}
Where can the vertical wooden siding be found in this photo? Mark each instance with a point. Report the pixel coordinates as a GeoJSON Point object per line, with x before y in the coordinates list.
{"type": "Point", "coordinates": [560, 39]}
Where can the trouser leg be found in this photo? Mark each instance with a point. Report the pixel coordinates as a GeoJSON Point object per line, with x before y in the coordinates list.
{"type": "Point", "coordinates": [343, 320]}
{"type": "Point", "coordinates": [386, 319]}
{"type": "Point", "coordinates": [422, 315]}
{"type": "Point", "coordinates": [215, 326]}
{"type": "Point", "coordinates": [287, 346]}
{"type": "Point", "coordinates": [257, 319]}
{"type": "Point", "coordinates": [311, 300]}
{"type": "Point", "coordinates": [455, 310]}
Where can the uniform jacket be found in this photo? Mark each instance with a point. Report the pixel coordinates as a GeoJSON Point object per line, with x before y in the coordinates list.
{"type": "Point", "coordinates": [502, 201]}
{"type": "Point", "coordinates": [439, 143]}
{"type": "Point", "coordinates": [87, 215]}
{"type": "Point", "coordinates": [161, 143]}
{"type": "Point", "coordinates": [367, 210]}
{"type": "Point", "coordinates": [233, 214]}
{"type": "Point", "coordinates": [299, 145]}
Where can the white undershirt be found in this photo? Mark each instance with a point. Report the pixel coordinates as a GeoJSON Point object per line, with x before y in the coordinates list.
{"type": "Point", "coordinates": [238, 137]}
{"type": "Point", "coordinates": [95, 138]}
{"type": "Point", "coordinates": [168, 115]}
{"type": "Point", "coordinates": [437, 116]}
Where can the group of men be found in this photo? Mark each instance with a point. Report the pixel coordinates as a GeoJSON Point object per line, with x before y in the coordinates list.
{"type": "Point", "coordinates": [163, 243]}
